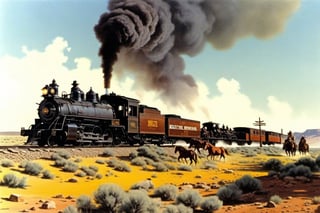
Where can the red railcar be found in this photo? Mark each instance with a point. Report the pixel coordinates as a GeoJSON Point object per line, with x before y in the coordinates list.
{"type": "Point", "coordinates": [181, 128]}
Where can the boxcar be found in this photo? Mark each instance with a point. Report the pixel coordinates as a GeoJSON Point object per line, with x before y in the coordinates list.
{"type": "Point", "coordinates": [181, 128]}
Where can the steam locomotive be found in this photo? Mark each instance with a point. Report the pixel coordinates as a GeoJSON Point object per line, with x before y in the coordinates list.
{"type": "Point", "coordinates": [79, 119]}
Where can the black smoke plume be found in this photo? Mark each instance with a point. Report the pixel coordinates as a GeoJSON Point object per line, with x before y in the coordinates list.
{"type": "Point", "coordinates": [151, 36]}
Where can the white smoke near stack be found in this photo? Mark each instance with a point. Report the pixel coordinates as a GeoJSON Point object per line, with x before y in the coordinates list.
{"type": "Point", "coordinates": [149, 37]}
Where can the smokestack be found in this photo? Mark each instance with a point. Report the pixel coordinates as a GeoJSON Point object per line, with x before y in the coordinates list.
{"type": "Point", "coordinates": [150, 36]}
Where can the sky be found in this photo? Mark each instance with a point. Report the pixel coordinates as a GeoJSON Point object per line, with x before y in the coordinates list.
{"type": "Point", "coordinates": [274, 78]}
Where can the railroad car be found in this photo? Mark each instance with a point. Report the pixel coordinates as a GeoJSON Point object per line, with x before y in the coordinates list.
{"type": "Point", "coordinates": [181, 128]}
{"type": "Point", "coordinates": [274, 138]}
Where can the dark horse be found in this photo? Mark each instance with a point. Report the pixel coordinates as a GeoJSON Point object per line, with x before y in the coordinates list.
{"type": "Point", "coordinates": [214, 150]}
{"type": "Point", "coordinates": [303, 146]}
{"type": "Point", "coordinates": [186, 153]}
{"type": "Point", "coordinates": [197, 144]}
{"type": "Point", "coordinates": [290, 147]}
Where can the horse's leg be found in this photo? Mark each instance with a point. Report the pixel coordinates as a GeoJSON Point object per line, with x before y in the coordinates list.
{"type": "Point", "coordinates": [190, 160]}
{"type": "Point", "coordinates": [185, 159]}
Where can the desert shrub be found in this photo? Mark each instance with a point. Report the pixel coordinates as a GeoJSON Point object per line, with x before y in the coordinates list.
{"type": "Point", "coordinates": [46, 174]}
{"type": "Point", "coordinates": [185, 168]}
{"type": "Point", "coordinates": [170, 166]}
{"type": "Point", "coordinates": [211, 204]}
{"type": "Point", "coordinates": [309, 162]}
{"type": "Point", "coordinates": [285, 169]}
{"type": "Point", "coordinates": [177, 209]}
{"type": "Point", "coordinates": [276, 199]}
{"type": "Point", "coordinates": [11, 180]}
{"type": "Point", "coordinates": [70, 209]}
{"type": "Point", "coordinates": [300, 170]}
{"type": "Point", "coordinates": [107, 153]}
{"type": "Point", "coordinates": [145, 185]}
{"type": "Point", "coordinates": [147, 152]}
{"type": "Point", "coordinates": [109, 197]}
{"type": "Point", "coordinates": [166, 192]}
{"type": "Point", "coordinates": [137, 201]}
{"type": "Point", "coordinates": [89, 171]}
{"type": "Point", "coordinates": [229, 194]}
{"type": "Point", "coordinates": [138, 161]}
{"type": "Point", "coordinates": [61, 153]}
{"type": "Point", "coordinates": [80, 174]}
{"type": "Point", "coordinates": [248, 184]}
{"type": "Point", "coordinates": [7, 163]}
{"type": "Point", "coordinates": [209, 165]}
{"type": "Point", "coordinates": [118, 165]}
{"type": "Point", "coordinates": [133, 155]}
{"type": "Point", "coordinates": [32, 168]}
{"type": "Point", "coordinates": [60, 162]}
{"type": "Point", "coordinates": [100, 161]}
{"type": "Point", "coordinates": [272, 164]}
{"type": "Point", "coordinates": [84, 204]}
{"type": "Point", "coordinates": [160, 167]}
{"type": "Point", "coordinates": [316, 200]}
{"type": "Point", "coordinates": [70, 167]}
{"type": "Point", "coordinates": [190, 198]}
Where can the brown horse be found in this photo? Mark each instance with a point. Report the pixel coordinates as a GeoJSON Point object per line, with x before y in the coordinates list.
{"type": "Point", "coordinates": [290, 147]}
{"type": "Point", "coordinates": [214, 150]}
{"type": "Point", "coordinates": [197, 144]}
{"type": "Point", "coordinates": [303, 146]}
{"type": "Point", "coordinates": [186, 153]}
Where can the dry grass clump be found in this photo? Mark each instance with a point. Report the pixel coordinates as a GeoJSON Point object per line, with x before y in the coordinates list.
{"type": "Point", "coordinates": [7, 163]}
{"type": "Point", "coordinates": [166, 192]}
{"type": "Point", "coordinates": [11, 180]}
{"type": "Point", "coordinates": [32, 168]}
{"type": "Point", "coordinates": [118, 165]}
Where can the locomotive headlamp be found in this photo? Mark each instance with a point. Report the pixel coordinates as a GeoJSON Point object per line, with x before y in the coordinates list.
{"type": "Point", "coordinates": [44, 90]}
{"type": "Point", "coordinates": [52, 91]}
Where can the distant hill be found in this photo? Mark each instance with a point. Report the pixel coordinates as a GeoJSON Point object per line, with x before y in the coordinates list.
{"type": "Point", "coordinates": [312, 136]}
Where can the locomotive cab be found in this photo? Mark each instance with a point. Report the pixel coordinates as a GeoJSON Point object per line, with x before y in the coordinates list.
{"type": "Point", "coordinates": [126, 110]}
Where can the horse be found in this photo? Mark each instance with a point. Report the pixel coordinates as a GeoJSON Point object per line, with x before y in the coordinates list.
{"type": "Point", "coordinates": [303, 146]}
{"type": "Point", "coordinates": [213, 151]}
{"type": "Point", "coordinates": [197, 144]}
{"type": "Point", "coordinates": [186, 153]}
{"type": "Point", "coordinates": [290, 147]}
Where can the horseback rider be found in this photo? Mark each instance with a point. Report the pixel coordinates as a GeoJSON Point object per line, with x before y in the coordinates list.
{"type": "Point", "coordinates": [290, 136]}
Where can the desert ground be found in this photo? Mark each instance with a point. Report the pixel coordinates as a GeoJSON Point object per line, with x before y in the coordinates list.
{"type": "Point", "coordinates": [120, 166]}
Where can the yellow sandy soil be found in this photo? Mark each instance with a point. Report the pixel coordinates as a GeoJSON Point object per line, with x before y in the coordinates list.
{"type": "Point", "coordinates": [45, 189]}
